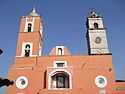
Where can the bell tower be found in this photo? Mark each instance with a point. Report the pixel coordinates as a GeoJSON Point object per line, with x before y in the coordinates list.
{"type": "Point", "coordinates": [30, 38]}
{"type": "Point", "coordinates": [96, 34]}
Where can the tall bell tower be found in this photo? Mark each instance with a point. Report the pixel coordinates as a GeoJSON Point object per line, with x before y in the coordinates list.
{"type": "Point", "coordinates": [24, 70]}
{"type": "Point", "coordinates": [30, 38]}
{"type": "Point", "coordinates": [96, 34]}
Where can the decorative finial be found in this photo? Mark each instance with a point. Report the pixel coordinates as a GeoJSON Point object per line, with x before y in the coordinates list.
{"type": "Point", "coordinates": [33, 12]}
{"type": "Point", "coordinates": [34, 9]}
{"type": "Point", "coordinates": [93, 14]}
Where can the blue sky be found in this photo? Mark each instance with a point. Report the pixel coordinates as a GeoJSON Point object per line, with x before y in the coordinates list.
{"type": "Point", "coordinates": [64, 24]}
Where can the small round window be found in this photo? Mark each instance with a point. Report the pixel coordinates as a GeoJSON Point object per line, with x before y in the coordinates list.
{"type": "Point", "coordinates": [98, 40]}
{"type": "Point", "coordinates": [101, 81]}
{"type": "Point", "coordinates": [21, 82]}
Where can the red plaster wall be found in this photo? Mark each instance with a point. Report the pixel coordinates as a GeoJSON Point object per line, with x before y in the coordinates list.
{"type": "Point", "coordinates": [84, 69]}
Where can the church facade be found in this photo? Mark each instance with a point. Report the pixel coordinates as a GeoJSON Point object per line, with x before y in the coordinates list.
{"type": "Point", "coordinates": [61, 72]}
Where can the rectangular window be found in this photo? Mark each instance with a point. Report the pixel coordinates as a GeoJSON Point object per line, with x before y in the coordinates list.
{"type": "Point", "coordinates": [60, 64]}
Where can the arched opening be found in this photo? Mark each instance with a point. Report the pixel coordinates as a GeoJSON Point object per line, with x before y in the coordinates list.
{"type": "Point", "coordinates": [27, 50]}
{"type": "Point", "coordinates": [29, 27]}
{"type": "Point", "coordinates": [59, 51]}
{"type": "Point", "coordinates": [60, 79]}
{"type": "Point", "coordinates": [96, 25]}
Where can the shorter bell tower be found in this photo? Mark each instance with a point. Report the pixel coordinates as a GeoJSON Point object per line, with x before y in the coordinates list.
{"type": "Point", "coordinates": [96, 34]}
{"type": "Point", "coordinates": [30, 36]}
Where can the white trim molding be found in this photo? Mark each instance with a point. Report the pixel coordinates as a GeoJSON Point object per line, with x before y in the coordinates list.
{"type": "Point", "coordinates": [21, 82]}
{"type": "Point", "coordinates": [26, 24]}
{"type": "Point", "coordinates": [30, 56]}
{"type": "Point", "coordinates": [61, 51]}
{"type": "Point", "coordinates": [56, 71]}
{"type": "Point", "coordinates": [40, 49]}
{"type": "Point", "coordinates": [23, 48]}
{"type": "Point", "coordinates": [41, 30]}
{"type": "Point", "coordinates": [101, 81]}
{"type": "Point", "coordinates": [57, 62]}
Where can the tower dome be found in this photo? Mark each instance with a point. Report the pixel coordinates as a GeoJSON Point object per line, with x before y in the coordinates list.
{"type": "Point", "coordinates": [33, 12]}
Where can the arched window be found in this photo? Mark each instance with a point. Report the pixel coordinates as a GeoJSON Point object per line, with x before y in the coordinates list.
{"type": "Point", "coordinates": [27, 50]}
{"type": "Point", "coordinates": [59, 51]}
{"type": "Point", "coordinates": [95, 25]}
{"type": "Point", "coordinates": [29, 27]}
{"type": "Point", "coordinates": [60, 79]}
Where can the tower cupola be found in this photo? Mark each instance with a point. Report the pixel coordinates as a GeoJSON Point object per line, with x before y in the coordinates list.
{"type": "Point", "coordinates": [33, 13]}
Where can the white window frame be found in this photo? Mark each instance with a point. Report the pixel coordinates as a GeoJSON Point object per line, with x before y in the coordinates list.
{"type": "Point", "coordinates": [52, 73]}
{"type": "Point", "coordinates": [23, 48]}
{"type": "Point", "coordinates": [26, 24]}
{"type": "Point", "coordinates": [18, 82]}
{"type": "Point", "coordinates": [98, 84]}
{"type": "Point", "coordinates": [57, 47]}
{"type": "Point", "coordinates": [57, 62]}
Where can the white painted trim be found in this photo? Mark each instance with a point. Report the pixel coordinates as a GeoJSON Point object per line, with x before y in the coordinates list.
{"type": "Point", "coordinates": [30, 56]}
{"type": "Point", "coordinates": [23, 48]}
{"type": "Point", "coordinates": [33, 24]}
{"type": "Point", "coordinates": [40, 49]}
{"type": "Point", "coordinates": [41, 30]}
{"type": "Point", "coordinates": [57, 47]}
{"type": "Point", "coordinates": [26, 24]}
{"type": "Point", "coordinates": [57, 70]}
{"type": "Point", "coordinates": [25, 27]}
{"type": "Point", "coordinates": [55, 63]}
{"type": "Point", "coordinates": [18, 56]}
{"type": "Point", "coordinates": [18, 84]}
{"type": "Point", "coordinates": [20, 93]}
{"type": "Point", "coordinates": [97, 81]}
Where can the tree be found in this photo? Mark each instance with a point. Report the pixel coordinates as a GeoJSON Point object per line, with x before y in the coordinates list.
{"type": "Point", "coordinates": [5, 82]}
{"type": "Point", "coordinates": [1, 51]}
